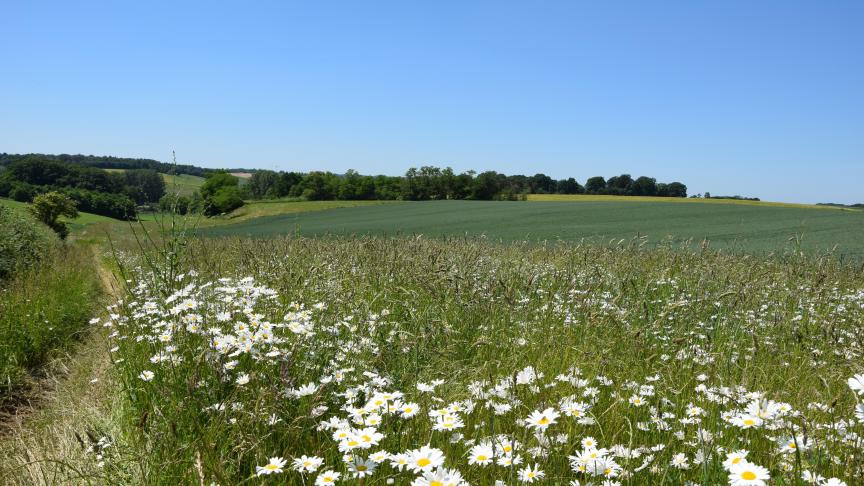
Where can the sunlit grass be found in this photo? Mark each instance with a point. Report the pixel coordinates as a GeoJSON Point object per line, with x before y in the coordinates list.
{"type": "Point", "coordinates": [256, 209]}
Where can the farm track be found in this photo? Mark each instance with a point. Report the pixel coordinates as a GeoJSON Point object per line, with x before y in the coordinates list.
{"type": "Point", "coordinates": [69, 396]}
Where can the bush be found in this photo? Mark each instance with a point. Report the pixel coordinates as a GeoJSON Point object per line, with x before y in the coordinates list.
{"type": "Point", "coordinates": [23, 242]}
{"type": "Point", "coordinates": [175, 203]}
{"type": "Point", "coordinates": [48, 208]}
{"type": "Point", "coordinates": [225, 200]}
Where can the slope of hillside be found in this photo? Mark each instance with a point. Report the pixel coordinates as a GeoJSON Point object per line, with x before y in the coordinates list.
{"type": "Point", "coordinates": [742, 227]}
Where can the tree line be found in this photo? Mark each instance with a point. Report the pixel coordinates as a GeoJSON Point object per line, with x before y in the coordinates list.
{"type": "Point", "coordinates": [140, 183]}
{"type": "Point", "coordinates": [109, 162]}
{"type": "Point", "coordinates": [113, 194]}
{"type": "Point", "coordinates": [431, 183]}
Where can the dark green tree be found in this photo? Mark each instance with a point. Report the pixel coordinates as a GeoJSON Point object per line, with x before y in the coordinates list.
{"type": "Point", "coordinates": [595, 185]}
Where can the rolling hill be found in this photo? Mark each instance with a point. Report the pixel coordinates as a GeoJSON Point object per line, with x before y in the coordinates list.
{"type": "Point", "coordinates": [748, 227]}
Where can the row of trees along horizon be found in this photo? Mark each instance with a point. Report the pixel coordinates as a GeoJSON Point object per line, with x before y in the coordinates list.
{"type": "Point", "coordinates": [139, 185]}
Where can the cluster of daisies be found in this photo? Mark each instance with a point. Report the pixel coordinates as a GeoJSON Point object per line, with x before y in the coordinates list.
{"type": "Point", "coordinates": [525, 425]}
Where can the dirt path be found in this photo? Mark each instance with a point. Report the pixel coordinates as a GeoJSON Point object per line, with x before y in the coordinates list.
{"type": "Point", "coordinates": [73, 400]}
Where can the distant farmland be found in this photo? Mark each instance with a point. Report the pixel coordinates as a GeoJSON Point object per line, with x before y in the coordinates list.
{"type": "Point", "coordinates": [740, 227]}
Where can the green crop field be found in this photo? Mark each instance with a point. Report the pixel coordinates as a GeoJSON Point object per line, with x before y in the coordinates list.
{"type": "Point", "coordinates": [751, 228]}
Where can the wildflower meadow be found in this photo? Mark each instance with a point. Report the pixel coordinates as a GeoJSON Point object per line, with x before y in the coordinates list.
{"type": "Point", "coordinates": [451, 362]}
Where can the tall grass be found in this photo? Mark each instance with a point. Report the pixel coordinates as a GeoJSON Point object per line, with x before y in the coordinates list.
{"type": "Point", "coordinates": [42, 309]}
{"type": "Point", "coordinates": [232, 352]}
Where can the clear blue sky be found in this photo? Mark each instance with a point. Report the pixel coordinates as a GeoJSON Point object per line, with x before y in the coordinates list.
{"type": "Point", "coordinates": [757, 98]}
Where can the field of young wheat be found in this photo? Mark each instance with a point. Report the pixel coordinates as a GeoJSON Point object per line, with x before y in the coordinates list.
{"type": "Point", "coordinates": [448, 362]}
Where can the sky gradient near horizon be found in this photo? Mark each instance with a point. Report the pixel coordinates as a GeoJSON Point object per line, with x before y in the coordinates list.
{"type": "Point", "coordinates": [760, 99]}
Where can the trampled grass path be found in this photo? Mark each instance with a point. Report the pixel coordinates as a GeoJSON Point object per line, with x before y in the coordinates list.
{"type": "Point", "coordinates": [40, 444]}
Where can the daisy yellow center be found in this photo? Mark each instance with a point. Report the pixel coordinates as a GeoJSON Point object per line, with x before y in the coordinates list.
{"type": "Point", "coordinates": [607, 471]}
{"type": "Point", "coordinates": [507, 448]}
{"type": "Point", "coordinates": [749, 422]}
{"type": "Point", "coordinates": [736, 460]}
{"type": "Point", "coordinates": [423, 462]}
{"type": "Point", "coordinates": [362, 468]}
{"type": "Point", "coordinates": [271, 467]}
{"type": "Point", "coordinates": [543, 421]}
{"type": "Point", "coordinates": [436, 483]}
{"type": "Point", "coordinates": [531, 474]}
{"type": "Point", "coordinates": [353, 443]}
{"type": "Point", "coordinates": [328, 478]}
{"type": "Point", "coordinates": [307, 463]}
{"type": "Point", "coordinates": [748, 475]}
{"type": "Point", "coordinates": [481, 457]}
{"type": "Point", "coordinates": [408, 410]}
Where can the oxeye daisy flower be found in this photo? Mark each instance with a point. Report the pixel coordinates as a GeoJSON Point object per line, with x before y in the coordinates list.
{"type": "Point", "coordinates": [734, 458]}
{"type": "Point", "coordinates": [746, 421]}
{"type": "Point", "coordinates": [327, 478]}
{"type": "Point", "coordinates": [834, 482]}
{"type": "Point", "coordinates": [481, 454]}
{"type": "Point", "coordinates": [306, 463]}
{"type": "Point", "coordinates": [400, 461]}
{"type": "Point", "coordinates": [146, 375]}
{"type": "Point", "coordinates": [508, 460]}
{"type": "Point", "coordinates": [856, 383]}
{"type": "Point", "coordinates": [542, 420]}
{"type": "Point", "coordinates": [379, 456]}
{"type": "Point", "coordinates": [747, 474]}
{"type": "Point", "coordinates": [680, 461]}
{"type": "Point", "coordinates": [409, 410]}
{"type": "Point", "coordinates": [439, 477]}
{"type": "Point", "coordinates": [859, 412]}
{"type": "Point", "coordinates": [425, 459]}
{"type": "Point", "coordinates": [273, 467]}
{"type": "Point", "coordinates": [529, 474]}
{"type": "Point", "coordinates": [360, 468]}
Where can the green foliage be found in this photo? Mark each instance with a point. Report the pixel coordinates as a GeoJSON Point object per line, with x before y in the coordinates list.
{"type": "Point", "coordinates": [434, 183]}
{"type": "Point", "coordinates": [95, 190]}
{"type": "Point", "coordinates": [108, 162]}
{"type": "Point", "coordinates": [221, 194]}
{"type": "Point", "coordinates": [175, 203]}
{"type": "Point", "coordinates": [49, 207]}
{"type": "Point", "coordinates": [116, 206]}
{"type": "Point", "coordinates": [217, 181]}
{"type": "Point", "coordinates": [144, 185]}
{"type": "Point", "coordinates": [42, 310]}
{"type": "Point", "coordinates": [23, 242]}
{"type": "Point", "coordinates": [225, 200]}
